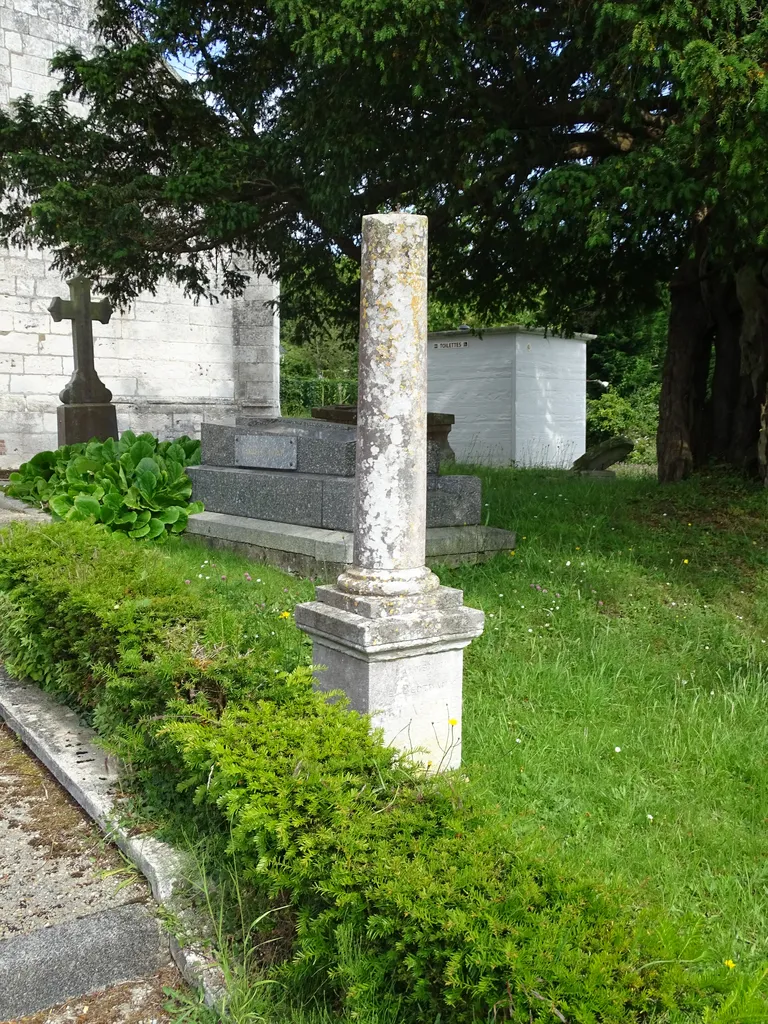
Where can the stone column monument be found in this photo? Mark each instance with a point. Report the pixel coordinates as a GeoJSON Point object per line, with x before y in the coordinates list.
{"type": "Point", "coordinates": [387, 633]}
{"type": "Point", "coordinates": [86, 412]}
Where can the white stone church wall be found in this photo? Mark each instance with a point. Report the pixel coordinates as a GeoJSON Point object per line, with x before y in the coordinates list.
{"type": "Point", "coordinates": [171, 364]}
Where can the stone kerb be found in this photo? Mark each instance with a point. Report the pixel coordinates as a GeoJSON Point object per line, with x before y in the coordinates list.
{"type": "Point", "coordinates": [387, 633]}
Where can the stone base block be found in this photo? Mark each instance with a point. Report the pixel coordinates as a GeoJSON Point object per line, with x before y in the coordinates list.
{"type": "Point", "coordinates": [400, 660]}
{"type": "Point", "coordinates": [79, 424]}
{"type": "Point", "coordinates": [325, 554]}
{"type": "Point", "coordinates": [414, 699]}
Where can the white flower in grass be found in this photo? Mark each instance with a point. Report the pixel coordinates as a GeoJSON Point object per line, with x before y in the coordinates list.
{"type": "Point", "coordinates": [617, 750]}
{"type": "Point", "coordinates": [649, 817]}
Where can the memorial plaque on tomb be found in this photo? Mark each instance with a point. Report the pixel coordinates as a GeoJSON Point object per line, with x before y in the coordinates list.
{"type": "Point", "coordinates": [265, 451]}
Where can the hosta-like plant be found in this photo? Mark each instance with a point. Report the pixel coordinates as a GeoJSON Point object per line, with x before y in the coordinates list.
{"type": "Point", "coordinates": [137, 485]}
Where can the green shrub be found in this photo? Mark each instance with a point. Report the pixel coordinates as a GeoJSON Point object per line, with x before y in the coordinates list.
{"type": "Point", "coordinates": [636, 417]}
{"type": "Point", "coordinates": [136, 485]}
{"type": "Point", "coordinates": [406, 893]}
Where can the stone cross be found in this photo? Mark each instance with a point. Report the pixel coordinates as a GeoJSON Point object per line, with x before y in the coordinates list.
{"type": "Point", "coordinates": [388, 633]}
{"type": "Point", "coordinates": [84, 387]}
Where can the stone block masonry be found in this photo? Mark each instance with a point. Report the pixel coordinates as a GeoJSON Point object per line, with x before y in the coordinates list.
{"type": "Point", "coordinates": [170, 364]}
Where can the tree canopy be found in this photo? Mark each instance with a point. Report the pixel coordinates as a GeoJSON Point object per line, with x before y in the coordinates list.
{"type": "Point", "coordinates": [574, 158]}
{"type": "Point", "coordinates": [564, 150]}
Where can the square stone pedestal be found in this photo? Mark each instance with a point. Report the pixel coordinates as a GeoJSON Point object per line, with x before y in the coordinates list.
{"type": "Point", "coordinates": [79, 424]}
{"type": "Point", "coordinates": [399, 660]}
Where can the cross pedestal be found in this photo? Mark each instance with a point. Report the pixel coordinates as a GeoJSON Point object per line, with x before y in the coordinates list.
{"type": "Point", "coordinates": [86, 412]}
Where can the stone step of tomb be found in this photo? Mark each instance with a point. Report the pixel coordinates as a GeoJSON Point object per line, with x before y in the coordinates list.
{"type": "Point", "coordinates": [290, 444]}
{"type": "Point", "coordinates": [53, 965]}
{"type": "Point", "coordinates": [320, 500]}
{"type": "Point", "coordinates": [310, 551]}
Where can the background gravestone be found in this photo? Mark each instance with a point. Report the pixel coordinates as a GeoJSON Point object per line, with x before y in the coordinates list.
{"type": "Point", "coordinates": [600, 456]}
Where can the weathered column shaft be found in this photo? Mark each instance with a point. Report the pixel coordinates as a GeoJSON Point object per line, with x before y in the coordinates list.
{"type": "Point", "coordinates": [388, 634]}
{"type": "Point", "coordinates": [391, 469]}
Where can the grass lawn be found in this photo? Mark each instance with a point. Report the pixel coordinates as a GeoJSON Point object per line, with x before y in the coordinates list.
{"type": "Point", "coordinates": [617, 704]}
{"type": "Point", "coordinates": [615, 707]}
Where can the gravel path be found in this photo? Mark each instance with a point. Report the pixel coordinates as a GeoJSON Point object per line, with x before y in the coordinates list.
{"type": "Point", "coordinates": [54, 862]}
{"type": "Point", "coordinates": [55, 865]}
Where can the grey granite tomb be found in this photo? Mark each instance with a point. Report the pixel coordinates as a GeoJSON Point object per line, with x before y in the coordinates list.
{"type": "Point", "coordinates": [282, 490]}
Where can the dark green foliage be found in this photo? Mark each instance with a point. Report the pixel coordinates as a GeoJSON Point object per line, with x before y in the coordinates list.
{"type": "Point", "coordinates": [136, 485]}
{"type": "Point", "coordinates": [405, 892]}
{"type": "Point", "coordinates": [635, 416]}
{"type": "Point", "coordinates": [300, 394]}
{"type": "Point", "coordinates": [550, 173]}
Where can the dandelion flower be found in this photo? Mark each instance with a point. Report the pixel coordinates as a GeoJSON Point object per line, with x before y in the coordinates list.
{"type": "Point", "coordinates": [685, 561]}
{"type": "Point", "coordinates": [729, 964]}
{"type": "Point", "coordinates": [284, 615]}
{"type": "Point", "coordinates": [452, 722]}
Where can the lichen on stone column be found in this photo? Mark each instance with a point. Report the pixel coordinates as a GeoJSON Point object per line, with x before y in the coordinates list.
{"type": "Point", "coordinates": [391, 468]}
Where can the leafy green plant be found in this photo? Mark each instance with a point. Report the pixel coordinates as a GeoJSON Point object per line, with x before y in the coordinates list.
{"type": "Point", "coordinates": [635, 416]}
{"type": "Point", "coordinates": [136, 485]}
{"type": "Point", "coordinates": [403, 893]}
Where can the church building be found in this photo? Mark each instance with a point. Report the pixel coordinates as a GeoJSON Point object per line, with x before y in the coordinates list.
{"type": "Point", "coordinates": [171, 364]}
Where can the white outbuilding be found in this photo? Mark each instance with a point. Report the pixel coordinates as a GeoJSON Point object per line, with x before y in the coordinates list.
{"type": "Point", "coordinates": [518, 394]}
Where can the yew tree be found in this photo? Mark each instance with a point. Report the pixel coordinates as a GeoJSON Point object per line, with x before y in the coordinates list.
{"type": "Point", "coordinates": [571, 156]}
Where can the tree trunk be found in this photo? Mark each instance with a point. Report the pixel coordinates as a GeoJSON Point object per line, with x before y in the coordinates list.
{"type": "Point", "coordinates": [762, 441]}
{"type": "Point", "coordinates": [727, 316]}
{"type": "Point", "coordinates": [752, 290]}
{"type": "Point", "coordinates": [686, 365]}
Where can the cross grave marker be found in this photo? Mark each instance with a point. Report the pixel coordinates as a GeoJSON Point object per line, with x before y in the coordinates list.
{"type": "Point", "coordinates": [86, 411]}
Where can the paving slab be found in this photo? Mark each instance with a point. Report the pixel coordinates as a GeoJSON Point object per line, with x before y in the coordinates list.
{"type": "Point", "coordinates": [78, 956]}
{"type": "Point", "coordinates": [133, 1002]}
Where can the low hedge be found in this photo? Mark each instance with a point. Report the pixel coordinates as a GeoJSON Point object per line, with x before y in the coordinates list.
{"type": "Point", "coordinates": [409, 898]}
